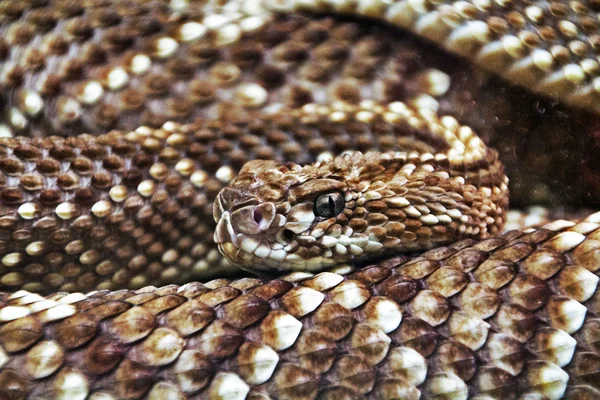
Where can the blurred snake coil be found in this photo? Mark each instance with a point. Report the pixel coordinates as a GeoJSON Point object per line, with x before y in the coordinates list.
{"type": "Point", "coordinates": [338, 150]}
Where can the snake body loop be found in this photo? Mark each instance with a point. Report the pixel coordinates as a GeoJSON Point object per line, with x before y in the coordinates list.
{"type": "Point", "coordinates": [300, 136]}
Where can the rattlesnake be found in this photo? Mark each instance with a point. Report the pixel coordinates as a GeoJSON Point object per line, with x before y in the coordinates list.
{"type": "Point", "coordinates": [179, 97]}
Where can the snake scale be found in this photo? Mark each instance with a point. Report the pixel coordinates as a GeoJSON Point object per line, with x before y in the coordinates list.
{"type": "Point", "coordinates": [123, 121]}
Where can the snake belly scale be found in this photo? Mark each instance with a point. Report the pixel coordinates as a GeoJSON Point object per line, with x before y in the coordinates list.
{"type": "Point", "coordinates": [315, 129]}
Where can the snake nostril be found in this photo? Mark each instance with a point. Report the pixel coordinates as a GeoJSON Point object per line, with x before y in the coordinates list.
{"type": "Point", "coordinates": [288, 234]}
{"type": "Point", "coordinates": [257, 216]}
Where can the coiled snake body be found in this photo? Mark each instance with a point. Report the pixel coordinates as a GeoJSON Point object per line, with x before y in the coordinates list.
{"type": "Point", "coordinates": [124, 121]}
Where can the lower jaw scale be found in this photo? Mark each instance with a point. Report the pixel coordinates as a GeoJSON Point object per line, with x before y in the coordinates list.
{"type": "Point", "coordinates": [280, 262]}
{"type": "Point", "coordinates": [228, 247]}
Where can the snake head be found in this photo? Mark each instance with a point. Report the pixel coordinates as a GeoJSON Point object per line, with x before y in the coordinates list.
{"type": "Point", "coordinates": [287, 217]}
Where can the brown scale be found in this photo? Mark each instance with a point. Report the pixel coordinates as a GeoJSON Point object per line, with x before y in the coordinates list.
{"type": "Point", "coordinates": [446, 323]}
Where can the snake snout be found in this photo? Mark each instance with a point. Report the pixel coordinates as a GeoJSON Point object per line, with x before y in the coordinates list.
{"type": "Point", "coordinates": [247, 234]}
{"type": "Point", "coordinates": [253, 219]}
{"type": "Point", "coordinates": [248, 220]}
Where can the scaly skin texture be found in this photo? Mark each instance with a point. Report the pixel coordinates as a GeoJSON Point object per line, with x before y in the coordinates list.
{"type": "Point", "coordinates": [505, 317]}
{"type": "Point", "coordinates": [68, 69]}
{"type": "Point", "coordinates": [509, 317]}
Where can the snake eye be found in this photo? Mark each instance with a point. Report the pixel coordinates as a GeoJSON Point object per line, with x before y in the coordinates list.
{"type": "Point", "coordinates": [329, 205]}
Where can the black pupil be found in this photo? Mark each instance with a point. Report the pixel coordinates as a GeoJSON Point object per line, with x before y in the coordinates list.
{"type": "Point", "coordinates": [329, 205]}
